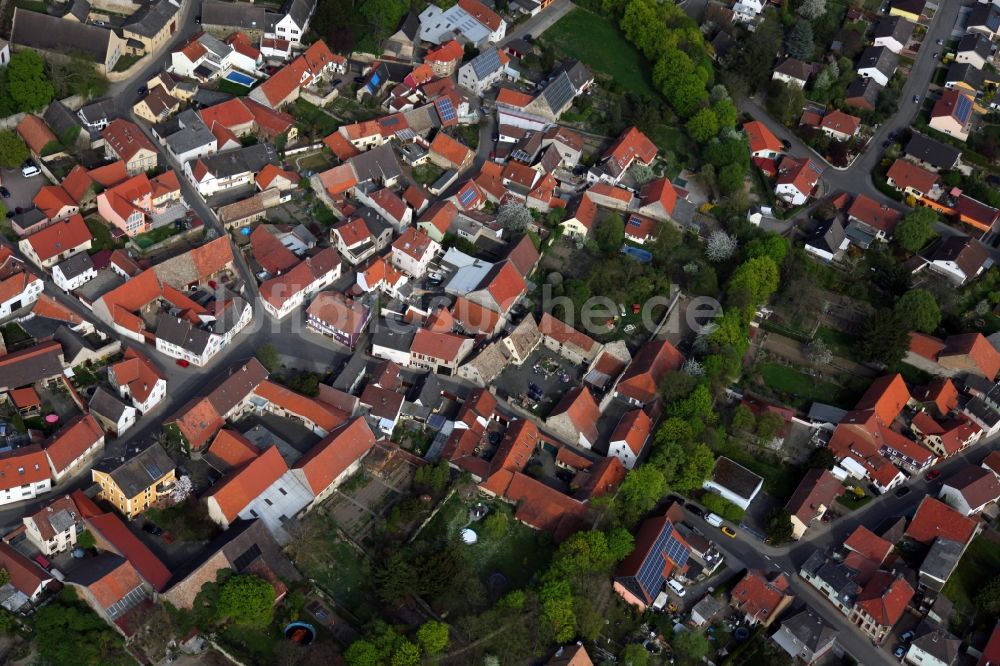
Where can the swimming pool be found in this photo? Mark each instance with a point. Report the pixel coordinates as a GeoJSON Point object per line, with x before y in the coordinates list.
{"type": "Point", "coordinates": [642, 256]}
{"type": "Point", "coordinates": [240, 78]}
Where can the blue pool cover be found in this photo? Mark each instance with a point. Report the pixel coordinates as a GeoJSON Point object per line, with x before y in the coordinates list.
{"type": "Point", "coordinates": [637, 254]}
{"type": "Point", "coordinates": [240, 78]}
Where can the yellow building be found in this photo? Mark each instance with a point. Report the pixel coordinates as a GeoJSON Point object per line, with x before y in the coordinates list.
{"type": "Point", "coordinates": [138, 483]}
{"type": "Point", "coordinates": [150, 28]}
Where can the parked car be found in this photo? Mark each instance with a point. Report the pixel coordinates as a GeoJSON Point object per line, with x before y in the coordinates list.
{"type": "Point", "coordinates": [907, 637]}
{"type": "Point", "coordinates": [4, 192]}
{"type": "Point", "coordinates": [939, 42]}
{"type": "Point", "coordinates": [183, 362]}
{"type": "Point", "coordinates": [903, 491]}
{"type": "Point", "coordinates": [155, 530]}
{"type": "Point", "coordinates": [728, 531]}
{"type": "Point", "coordinates": [916, 99]}
{"type": "Point", "coordinates": [30, 171]}
{"type": "Point", "coordinates": [677, 588]}
{"type": "Point", "coordinates": [695, 509]}
{"type": "Point", "coordinates": [42, 562]}
{"type": "Point", "coordinates": [899, 652]}
{"type": "Point", "coordinates": [936, 55]}
{"type": "Point", "coordinates": [714, 519]}
{"type": "Point", "coordinates": [933, 474]}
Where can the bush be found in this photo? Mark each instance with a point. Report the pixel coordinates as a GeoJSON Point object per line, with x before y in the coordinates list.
{"type": "Point", "coordinates": [723, 507]}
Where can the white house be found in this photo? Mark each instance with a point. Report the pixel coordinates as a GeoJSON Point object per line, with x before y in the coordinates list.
{"type": "Point", "coordinates": [112, 413]}
{"type": "Point", "coordinates": [74, 447]}
{"type": "Point", "coordinates": [734, 482]}
{"type": "Point", "coordinates": [137, 379]}
{"type": "Point", "coordinates": [971, 490]}
{"type": "Point", "coordinates": [933, 646]}
{"type": "Point", "coordinates": [282, 294]}
{"type": "Point", "coordinates": [486, 70]}
{"type": "Point", "coordinates": [53, 528]}
{"type": "Point", "coordinates": [796, 180]}
{"type": "Point", "coordinates": [21, 288]}
{"type": "Point", "coordinates": [295, 22]}
{"type": "Point", "coordinates": [877, 63]}
{"type": "Point", "coordinates": [745, 11]}
{"type": "Point", "coordinates": [74, 272]}
{"type": "Point", "coordinates": [630, 437]}
{"type": "Point", "coordinates": [413, 251]}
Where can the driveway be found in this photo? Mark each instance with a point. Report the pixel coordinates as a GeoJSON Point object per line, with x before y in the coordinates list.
{"type": "Point", "coordinates": [22, 190]}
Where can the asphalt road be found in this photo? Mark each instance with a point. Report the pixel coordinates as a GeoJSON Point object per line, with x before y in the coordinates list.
{"type": "Point", "coordinates": [751, 553]}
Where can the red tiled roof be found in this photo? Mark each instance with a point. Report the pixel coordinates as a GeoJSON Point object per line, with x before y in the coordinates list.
{"type": "Point", "coordinates": [874, 214]}
{"type": "Point", "coordinates": [516, 447]}
{"type": "Point", "coordinates": [760, 596]}
{"type": "Point", "coordinates": [51, 200]}
{"type": "Point", "coordinates": [25, 397]}
{"type": "Point", "coordinates": [414, 242]}
{"type": "Point", "coordinates": [905, 175]}
{"type": "Point", "coordinates": [449, 149]}
{"type": "Point", "coordinates": [579, 406]}
{"type": "Point", "coordinates": [761, 138]}
{"type": "Point", "coordinates": [231, 113]}
{"type": "Point", "coordinates": [481, 13]}
{"type": "Point", "coordinates": [660, 191]}
{"type": "Point", "coordinates": [885, 597]}
{"type": "Point", "coordinates": [335, 453]}
{"type": "Point", "coordinates": [448, 52]}
{"type": "Point", "coordinates": [976, 211]}
{"type": "Point", "coordinates": [339, 179]}
{"type": "Point", "coordinates": [514, 98]}
{"type": "Point", "coordinates": [440, 215]}
{"type": "Point", "coordinates": [340, 146]}
{"type": "Point", "coordinates": [979, 350]}
{"type": "Point", "coordinates": [818, 488]}
{"type": "Point", "coordinates": [538, 505]}
{"type": "Point", "coordinates": [126, 139]}
{"type": "Point", "coordinates": [868, 544]}
{"type": "Point", "coordinates": [651, 363]}
{"type": "Point", "coordinates": [838, 121]}
{"type": "Point", "coordinates": [633, 429]}
{"type": "Point", "coordinates": [232, 448]}
{"type": "Point", "coordinates": [113, 531]}
{"type": "Point", "coordinates": [926, 345]}
{"type": "Point", "coordinates": [473, 317]}
{"type": "Point", "coordinates": [991, 653]}
{"type": "Point", "coordinates": [390, 202]}
{"type": "Point", "coordinates": [272, 255]}
{"type": "Point", "coordinates": [23, 466]}
{"type": "Point", "coordinates": [25, 575]}
{"type": "Point", "coordinates": [337, 310]}
{"type": "Point", "coordinates": [235, 492]}
{"type": "Point", "coordinates": [632, 144]}
{"type": "Point", "coordinates": [934, 519]}
{"type": "Point", "coordinates": [324, 416]}
{"type": "Point", "coordinates": [442, 346]}
{"type": "Point", "coordinates": [565, 334]}
{"type": "Point", "coordinates": [241, 44]}
{"type": "Point", "coordinates": [73, 441]}
{"type": "Point", "coordinates": [886, 396]}
{"type": "Point", "coordinates": [505, 285]}
{"type": "Point", "coordinates": [942, 393]}
{"type": "Point", "coordinates": [802, 174]}
{"type": "Point", "coordinates": [59, 237]}
{"type": "Point", "coordinates": [979, 486]}
{"type": "Point", "coordinates": [35, 133]}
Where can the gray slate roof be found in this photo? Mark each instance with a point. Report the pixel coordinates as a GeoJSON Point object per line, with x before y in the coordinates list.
{"type": "Point", "coordinates": [51, 33]}
{"type": "Point", "coordinates": [107, 405]}
{"type": "Point", "coordinates": [137, 473]}
{"type": "Point", "coordinates": [233, 14]}
{"type": "Point", "coordinates": [299, 11]}
{"type": "Point", "coordinates": [810, 629]}
{"type": "Point", "coordinates": [936, 153]}
{"type": "Point", "coordinates": [150, 20]}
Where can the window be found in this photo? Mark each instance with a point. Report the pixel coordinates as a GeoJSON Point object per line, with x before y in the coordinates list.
{"type": "Point", "coordinates": [282, 491]}
{"type": "Point", "coordinates": [254, 513]}
{"type": "Point", "coordinates": [268, 502]}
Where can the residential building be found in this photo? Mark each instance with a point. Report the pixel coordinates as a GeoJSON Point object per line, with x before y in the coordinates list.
{"type": "Point", "coordinates": [448, 153]}
{"type": "Point", "coordinates": [932, 646]}
{"type": "Point", "coordinates": [54, 528]}
{"type": "Point", "coordinates": [734, 482]}
{"type": "Point", "coordinates": [792, 72]}
{"type": "Point", "coordinates": [413, 251]}
{"type": "Point", "coordinates": [911, 10]}
{"type": "Point", "coordinates": [952, 114]}
{"type": "Point", "coordinates": [26, 581]}
{"type": "Point", "coordinates": [913, 180]}
{"type": "Point", "coordinates": [984, 19]}
{"type": "Point", "coordinates": [796, 180]}
{"type": "Point", "coordinates": [74, 447]}
{"type": "Point", "coordinates": [806, 636]}
{"type": "Point", "coordinates": [285, 292]}
{"type": "Point", "coordinates": [763, 143]}
{"type": "Point", "coordinates": [55, 35]}
{"type": "Point", "coordinates": [335, 458]}
{"type": "Point", "coordinates": [57, 242]}
{"type": "Point", "coordinates": [138, 380]}
{"type": "Point", "coordinates": [894, 33]}
{"type": "Point", "coordinates": [630, 436]}
{"type": "Point", "coordinates": [974, 49]}
{"type": "Point", "coordinates": [574, 418]}
{"type": "Point", "coordinates": [294, 21]}
{"type": "Point", "coordinates": [123, 140]}
{"type": "Point", "coordinates": [632, 147]}
{"type": "Point", "coordinates": [660, 553]}
{"type": "Point", "coordinates": [230, 169]}
{"type": "Point", "coordinates": [761, 597]}
{"type": "Point", "coordinates": [339, 317]}
{"type": "Point", "coordinates": [840, 126]}
{"type": "Point", "coordinates": [138, 483]}
{"type": "Point", "coordinates": [151, 26]}
{"type": "Point", "coordinates": [24, 474]}
{"type": "Point", "coordinates": [936, 520]}
{"type": "Point", "coordinates": [114, 415]}
{"type": "Point", "coordinates": [639, 385]}
{"type": "Point", "coordinates": [958, 258]}
{"type": "Point", "coordinates": [931, 153]}
{"type": "Point", "coordinates": [877, 63]}
{"type": "Point", "coordinates": [970, 490]}
{"type": "Point", "coordinates": [812, 499]}
{"type": "Point", "coordinates": [486, 70]}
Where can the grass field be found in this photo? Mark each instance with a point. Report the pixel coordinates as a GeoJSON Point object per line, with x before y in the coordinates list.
{"type": "Point", "coordinates": [231, 88]}
{"type": "Point", "coordinates": [978, 566]}
{"type": "Point", "coordinates": [799, 388]}
{"type": "Point", "coordinates": [101, 233]}
{"type": "Point", "coordinates": [598, 43]}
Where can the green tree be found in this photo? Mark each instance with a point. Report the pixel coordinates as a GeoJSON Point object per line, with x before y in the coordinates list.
{"type": "Point", "coordinates": [753, 283]}
{"type": "Point", "coordinates": [669, 445]}
{"type": "Point", "coordinates": [433, 637]}
{"type": "Point", "coordinates": [769, 425]}
{"type": "Point", "coordinates": [27, 82]}
{"type": "Point", "coordinates": [988, 598]}
{"type": "Point", "coordinates": [268, 356]}
{"type": "Point", "coordinates": [4, 576]}
{"type": "Point", "coordinates": [720, 505]}
{"type": "Point", "coordinates": [821, 458]}
{"type": "Point", "coordinates": [558, 617]}
{"type": "Point", "coordinates": [725, 113]}
{"type": "Point", "coordinates": [920, 308]}
{"type": "Point", "coordinates": [407, 654]}
{"type": "Point", "coordinates": [13, 152]}
{"type": "Point", "coordinates": [696, 467]}
{"type": "Point", "coordinates": [677, 385]}
{"type": "Point", "coordinates": [743, 419]}
{"type": "Point", "coordinates": [247, 600]}
{"type": "Point", "coordinates": [885, 338]}
{"type": "Point", "coordinates": [496, 525]}
{"type": "Point", "coordinates": [640, 491]}
{"type": "Point", "coordinates": [916, 229]}
{"type": "Point", "coordinates": [785, 102]}
{"type": "Point", "coordinates": [362, 653]}
{"type": "Point", "coordinates": [703, 125]}
{"type": "Point", "coordinates": [691, 644]}
{"type": "Point", "coordinates": [812, 9]}
{"type": "Point", "coordinates": [8, 621]}
{"type": "Point", "coordinates": [779, 526]}
{"type": "Point", "coordinates": [610, 234]}
{"type": "Point", "coordinates": [799, 40]}
{"type": "Point", "coordinates": [774, 246]}
{"type": "Point", "coordinates": [634, 654]}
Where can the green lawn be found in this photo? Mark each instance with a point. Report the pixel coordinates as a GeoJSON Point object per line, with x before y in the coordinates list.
{"type": "Point", "coordinates": [800, 388]}
{"type": "Point", "coordinates": [231, 88]}
{"type": "Point", "coordinates": [427, 173]}
{"type": "Point", "coordinates": [156, 235]}
{"type": "Point", "coordinates": [598, 43]}
{"type": "Point", "coordinates": [841, 344]}
{"type": "Point", "coordinates": [125, 62]}
{"type": "Point", "coordinates": [101, 233]}
{"type": "Point", "coordinates": [978, 566]}
{"type": "Point", "coordinates": [313, 119]}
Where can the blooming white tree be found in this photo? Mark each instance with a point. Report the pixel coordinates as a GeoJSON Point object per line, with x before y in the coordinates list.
{"type": "Point", "coordinates": [818, 353]}
{"type": "Point", "coordinates": [812, 9]}
{"type": "Point", "coordinates": [182, 489]}
{"type": "Point", "coordinates": [720, 246]}
{"type": "Point", "coordinates": [693, 367]}
{"type": "Point", "coordinates": [514, 217]}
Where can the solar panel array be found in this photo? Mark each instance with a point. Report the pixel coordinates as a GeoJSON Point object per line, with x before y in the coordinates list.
{"type": "Point", "coordinates": [666, 548]}
{"type": "Point", "coordinates": [963, 108]}
{"type": "Point", "coordinates": [635, 222]}
{"type": "Point", "coordinates": [467, 196]}
{"type": "Point", "coordinates": [558, 93]}
{"type": "Point", "coordinates": [248, 556]}
{"type": "Point", "coordinates": [446, 110]}
{"type": "Point", "coordinates": [486, 63]}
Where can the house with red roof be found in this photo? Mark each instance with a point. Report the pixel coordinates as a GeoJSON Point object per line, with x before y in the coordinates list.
{"type": "Point", "coordinates": [952, 114]}
{"type": "Point", "coordinates": [54, 527]}
{"type": "Point", "coordinates": [338, 316]}
{"type": "Point", "coordinates": [27, 581]}
{"type": "Point", "coordinates": [640, 383]}
{"type": "Point", "coordinates": [840, 126]}
{"type": "Point", "coordinates": [913, 180]}
{"type": "Point", "coordinates": [18, 287]}
{"type": "Point", "coordinates": [335, 458]}
{"type": "Point", "coordinates": [448, 153]}
{"type": "Point", "coordinates": [284, 293]}
{"type": "Point", "coordinates": [575, 417]}
{"type": "Point", "coordinates": [881, 603]}
{"type": "Point", "coordinates": [436, 220]}
{"type": "Point", "coordinates": [437, 352]}
{"type": "Point", "coordinates": [632, 147]}
{"type": "Point", "coordinates": [123, 140]}
{"type": "Point", "coordinates": [813, 497]}
{"type": "Point", "coordinates": [629, 438]}
{"type": "Point", "coordinates": [444, 59]}
{"type": "Point", "coordinates": [380, 275]}
{"type": "Point", "coordinates": [286, 84]}
{"type": "Point", "coordinates": [57, 242]}
{"type": "Point", "coordinates": [111, 585]}
{"type": "Point", "coordinates": [55, 202]}
{"type": "Point", "coordinates": [500, 288]}
{"type": "Point", "coordinates": [947, 437]}
{"type": "Point", "coordinates": [660, 553]}
{"type": "Point", "coordinates": [138, 380]}
{"type": "Point", "coordinates": [936, 520]}
{"type": "Point", "coordinates": [563, 339]}
{"type": "Point", "coordinates": [869, 220]}
{"type": "Point", "coordinates": [111, 535]}
{"type": "Point", "coordinates": [74, 446]}
{"type": "Point", "coordinates": [763, 143]}
{"type": "Point", "coordinates": [131, 205]}
{"type": "Point", "coordinates": [263, 488]}
{"type": "Point", "coordinates": [413, 251]}
{"type": "Point", "coordinates": [761, 597]}
{"type": "Point", "coordinates": [658, 199]}
{"type": "Point", "coordinates": [967, 353]}
{"type": "Point", "coordinates": [358, 239]}
{"type": "Point", "coordinates": [796, 180]}
{"type": "Point", "coordinates": [939, 396]}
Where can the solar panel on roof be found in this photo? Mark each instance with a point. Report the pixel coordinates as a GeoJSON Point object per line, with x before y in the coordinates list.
{"type": "Point", "coordinates": [446, 109]}
{"type": "Point", "coordinates": [963, 108]}
{"type": "Point", "coordinates": [486, 63]}
{"type": "Point", "coordinates": [248, 556]}
{"type": "Point", "coordinates": [558, 93]}
{"type": "Point", "coordinates": [634, 222]}
{"type": "Point", "coordinates": [466, 196]}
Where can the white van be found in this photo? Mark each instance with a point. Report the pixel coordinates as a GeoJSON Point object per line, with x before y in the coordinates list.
{"type": "Point", "coordinates": [676, 587]}
{"type": "Point", "coordinates": [714, 520]}
{"type": "Point", "coordinates": [30, 170]}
